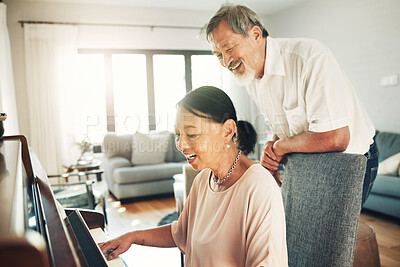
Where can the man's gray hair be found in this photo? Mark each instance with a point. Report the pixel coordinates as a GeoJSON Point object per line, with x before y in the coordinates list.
{"type": "Point", "coordinates": [240, 18]}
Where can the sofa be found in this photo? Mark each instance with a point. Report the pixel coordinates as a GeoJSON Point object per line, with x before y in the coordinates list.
{"type": "Point", "coordinates": [385, 193]}
{"type": "Point", "coordinates": [138, 165]}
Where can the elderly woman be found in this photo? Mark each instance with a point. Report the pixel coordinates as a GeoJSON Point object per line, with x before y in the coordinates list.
{"type": "Point", "coordinates": [234, 213]}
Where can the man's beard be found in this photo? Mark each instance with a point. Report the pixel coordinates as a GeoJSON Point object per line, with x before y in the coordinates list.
{"type": "Point", "coordinates": [247, 77]}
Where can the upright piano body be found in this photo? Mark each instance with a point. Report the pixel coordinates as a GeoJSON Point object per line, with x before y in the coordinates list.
{"type": "Point", "coordinates": [33, 231]}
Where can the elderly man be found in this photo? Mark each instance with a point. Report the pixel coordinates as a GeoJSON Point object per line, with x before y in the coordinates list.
{"type": "Point", "coordinates": [299, 87]}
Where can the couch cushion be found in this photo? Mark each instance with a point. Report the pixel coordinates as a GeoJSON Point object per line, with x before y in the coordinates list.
{"type": "Point", "coordinates": [118, 162]}
{"type": "Point", "coordinates": [383, 204]}
{"type": "Point", "coordinates": [178, 156]}
{"type": "Point", "coordinates": [173, 154]}
{"type": "Point", "coordinates": [124, 191]}
{"type": "Point", "coordinates": [388, 144]}
{"type": "Point", "coordinates": [145, 173]}
{"type": "Point", "coordinates": [149, 148]}
{"type": "Point", "coordinates": [387, 186]}
{"type": "Point", "coordinates": [169, 156]}
{"type": "Point", "coordinates": [170, 153]}
{"type": "Point", "coordinates": [390, 166]}
{"type": "Point", "coordinates": [117, 145]}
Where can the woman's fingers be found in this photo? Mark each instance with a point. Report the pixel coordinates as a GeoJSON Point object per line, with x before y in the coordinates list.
{"type": "Point", "coordinates": [106, 246]}
{"type": "Point", "coordinates": [116, 252]}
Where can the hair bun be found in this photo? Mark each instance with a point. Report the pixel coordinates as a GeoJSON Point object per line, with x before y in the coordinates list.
{"type": "Point", "coordinates": [246, 137]}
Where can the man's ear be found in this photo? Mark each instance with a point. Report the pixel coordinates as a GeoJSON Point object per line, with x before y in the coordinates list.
{"type": "Point", "coordinates": [256, 33]}
{"type": "Point", "coordinates": [229, 129]}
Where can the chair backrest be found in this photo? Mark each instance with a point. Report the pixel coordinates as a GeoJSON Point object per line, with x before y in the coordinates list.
{"type": "Point", "coordinates": [189, 173]}
{"type": "Point", "coordinates": [322, 199]}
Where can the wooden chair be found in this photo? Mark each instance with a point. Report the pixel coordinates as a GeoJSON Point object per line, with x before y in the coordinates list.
{"type": "Point", "coordinates": [84, 193]}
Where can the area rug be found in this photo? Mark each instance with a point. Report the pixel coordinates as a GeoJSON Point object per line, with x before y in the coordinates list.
{"type": "Point", "coordinates": [169, 218]}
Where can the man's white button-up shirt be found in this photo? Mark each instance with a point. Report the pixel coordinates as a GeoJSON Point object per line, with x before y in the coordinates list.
{"type": "Point", "coordinates": [304, 89]}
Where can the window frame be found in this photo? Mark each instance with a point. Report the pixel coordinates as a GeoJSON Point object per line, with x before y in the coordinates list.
{"type": "Point", "coordinates": [107, 53]}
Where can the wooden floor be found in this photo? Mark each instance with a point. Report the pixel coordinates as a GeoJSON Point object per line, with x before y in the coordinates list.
{"type": "Point", "coordinates": [387, 231]}
{"type": "Point", "coordinates": [138, 215]}
{"type": "Point", "coordinates": [146, 213]}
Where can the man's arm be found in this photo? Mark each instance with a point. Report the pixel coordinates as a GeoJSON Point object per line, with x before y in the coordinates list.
{"type": "Point", "coordinates": [311, 142]}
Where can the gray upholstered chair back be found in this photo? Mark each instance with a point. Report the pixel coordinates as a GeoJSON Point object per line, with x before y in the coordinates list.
{"type": "Point", "coordinates": [322, 198]}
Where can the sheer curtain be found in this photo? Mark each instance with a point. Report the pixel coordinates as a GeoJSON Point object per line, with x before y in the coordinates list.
{"type": "Point", "coordinates": [50, 56]}
{"type": "Point", "coordinates": [7, 90]}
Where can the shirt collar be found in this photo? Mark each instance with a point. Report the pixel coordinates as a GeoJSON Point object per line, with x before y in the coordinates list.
{"type": "Point", "coordinates": [273, 60]}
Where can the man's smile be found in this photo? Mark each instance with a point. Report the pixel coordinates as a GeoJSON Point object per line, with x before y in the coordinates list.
{"type": "Point", "coordinates": [234, 66]}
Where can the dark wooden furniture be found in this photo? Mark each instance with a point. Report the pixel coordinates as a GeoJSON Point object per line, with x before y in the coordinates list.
{"type": "Point", "coordinates": [84, 193]}
{"type": "Point", "coordinates": [366, 252]}
{"type": "Point", "coordinates": [32, 226]}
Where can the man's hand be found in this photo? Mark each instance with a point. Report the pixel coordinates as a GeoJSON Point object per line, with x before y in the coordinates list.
{"type": "Point", "coordinates": [270, 160]}
{"type": "Point", "coordinates": [116, 246]}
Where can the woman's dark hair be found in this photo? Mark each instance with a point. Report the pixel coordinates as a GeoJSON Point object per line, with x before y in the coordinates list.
{"type": "Point", "coordinates": [214, 104]}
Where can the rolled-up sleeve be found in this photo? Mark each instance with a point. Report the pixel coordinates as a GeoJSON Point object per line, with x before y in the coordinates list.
{"type": "Point", "coordinates": [324, 94]}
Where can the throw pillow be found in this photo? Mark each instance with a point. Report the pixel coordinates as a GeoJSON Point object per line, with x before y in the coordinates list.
{"type": "Point", "coordinates": [390, 166]}
{"type": "Point", "coordinates": [149, 148]}
{"type": "Point", "coordinates": [399, 171]}
{"type": "Point", "coordinates": [117, 145]}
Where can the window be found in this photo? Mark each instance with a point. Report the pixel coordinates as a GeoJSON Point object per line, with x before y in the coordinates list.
{"type": "Point", "coordinates": [169, 88]}
{"type": "Point", "coordinates": [130, 93]}
{"type": "Point", "coordinates": [124, 91]}
{"type": "Point", "coordinates": [206, 70]}
{"type": "Point", "coordinates": [90, 109]}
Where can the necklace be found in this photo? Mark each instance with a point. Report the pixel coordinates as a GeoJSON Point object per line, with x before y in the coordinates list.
{"type": "Point", "coordinates": [218, 181]}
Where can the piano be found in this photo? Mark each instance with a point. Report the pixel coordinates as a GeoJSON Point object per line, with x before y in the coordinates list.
{"type": "Point", "coordinates": [34, 229]}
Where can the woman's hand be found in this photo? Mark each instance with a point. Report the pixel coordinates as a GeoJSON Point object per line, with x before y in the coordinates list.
{"type": "Point", "coordinates": [118, 245]}
{"type": "Point", "coordinates": [155, 237]}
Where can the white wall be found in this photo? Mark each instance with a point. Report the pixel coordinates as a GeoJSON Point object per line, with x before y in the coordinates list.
{"type": "Point", "coordinates": [363, 34]}
{"type": "Point", "coordinates": [365, 37]}
{"type": "Point", "coordinates": [101, 36]}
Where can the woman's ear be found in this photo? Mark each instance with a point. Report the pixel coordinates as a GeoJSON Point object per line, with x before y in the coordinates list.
{"type": "Point", "coordinates": [229, 129]}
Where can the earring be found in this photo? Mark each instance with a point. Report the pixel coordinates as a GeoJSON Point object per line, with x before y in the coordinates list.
{"type": "Point", "coordinates": [228, 146]}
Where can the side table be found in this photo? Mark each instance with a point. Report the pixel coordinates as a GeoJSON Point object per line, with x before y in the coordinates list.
{"type": "Point", "coordinates": [366, 252]}
{"type": "Point", "coordinates": [93, 165]}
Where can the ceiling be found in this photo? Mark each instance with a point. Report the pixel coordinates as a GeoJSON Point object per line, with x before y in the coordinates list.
{"type": "Point", "coordinates": [260, 6]}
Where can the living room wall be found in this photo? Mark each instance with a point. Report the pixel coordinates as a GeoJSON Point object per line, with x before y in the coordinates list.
{"type": "Point", "coordinates": [101, 36]}
{"type": "Point", "coordinates": [364, 36]}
